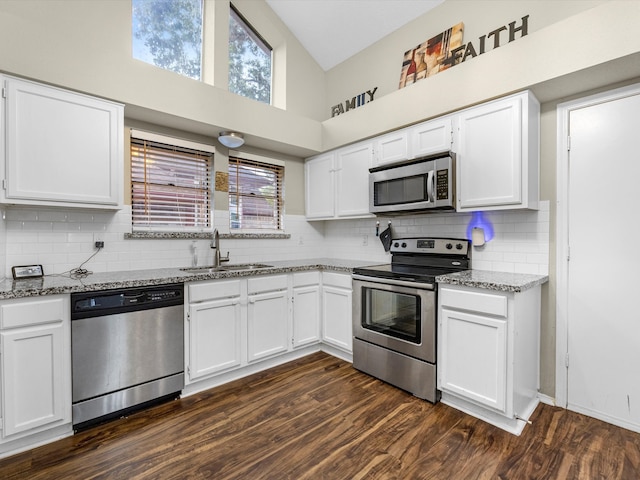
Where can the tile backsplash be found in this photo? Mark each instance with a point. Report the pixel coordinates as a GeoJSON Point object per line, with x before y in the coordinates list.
{"type": "Point", "coordinates": [62, 240]}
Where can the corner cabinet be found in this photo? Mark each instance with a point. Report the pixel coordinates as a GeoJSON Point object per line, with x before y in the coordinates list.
{"type": "Point", "coordinates": [337, 183]}
{"type": "Point", "coordinates": [497, 159]}
{"type": "Point", "coordinates": [35, 342]}
{"type": "Point", "coordinates": [488, 353]}
{"type": "Point", "coordinates": [337, 307]}
{"type": "Point", "coordinates": [306, 308]}
{"type": "Point", "coordinates": [61, 148]}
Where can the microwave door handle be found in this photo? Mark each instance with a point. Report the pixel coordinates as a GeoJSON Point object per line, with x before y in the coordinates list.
{"type": "Point", "coordinates": [430, 187]}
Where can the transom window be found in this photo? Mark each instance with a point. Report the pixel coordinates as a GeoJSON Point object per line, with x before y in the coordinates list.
{"type": "Point", "coordinates": [249, 60]}
{"type": "Point", "coordinates": [256, 194]}
{"type": "Point", "coordinates": [168, 34]}
{"type": "Point", "coordinates": [170, 184]}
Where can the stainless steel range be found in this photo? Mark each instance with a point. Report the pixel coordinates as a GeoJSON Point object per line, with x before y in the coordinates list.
{"type": "Point", "coordinates": [394, 312]}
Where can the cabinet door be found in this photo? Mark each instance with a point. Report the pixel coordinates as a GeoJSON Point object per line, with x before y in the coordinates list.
{"type": "Point", "coordinates": [392, 147]}
{"type": "Point", "coordinates": [33, 378]}
{"type": "Point", "coordinates": [215, 337]}
{"type": "Point", "coordinates": [473, 357]}
{"type": "Point", "coordinates": [489, 160]}
{"type": "Point", "coordinates": [268, 324]}
{"type": "Point", "coordinates": [319, 177]}
{"type": "Point", "coordinates": [430, 137]}
{"type": "Point", "coordinates": [336, 317]}
{"type": "Point", "coordinates": [306, 315]}
{"type": "Point", "coordinates": [56, 134]}
{"type": "Point", "coordinates": [352, 188]}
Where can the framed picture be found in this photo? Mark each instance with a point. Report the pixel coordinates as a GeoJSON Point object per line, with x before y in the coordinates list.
{"type": "Point", "coordinates": [430, 57]}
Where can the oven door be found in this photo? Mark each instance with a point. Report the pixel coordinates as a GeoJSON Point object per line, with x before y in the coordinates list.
{"type": "Point", "coordinates": [395, 314]}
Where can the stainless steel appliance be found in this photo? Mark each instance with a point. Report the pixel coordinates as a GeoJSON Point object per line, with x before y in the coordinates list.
{"type": "Point", "coordinates": [395, 312]}
{"type": "Point", "coordinates": [415, 185]}
{"type": "Point", "coordinates": [127, 350]}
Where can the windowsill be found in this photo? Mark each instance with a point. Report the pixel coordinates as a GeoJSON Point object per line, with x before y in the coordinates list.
{"type": "Point", "coordinates": [201, 235]}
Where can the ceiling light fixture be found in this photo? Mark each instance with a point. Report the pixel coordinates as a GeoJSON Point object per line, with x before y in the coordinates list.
{"type": "Point", "coordinates": [231, 139]}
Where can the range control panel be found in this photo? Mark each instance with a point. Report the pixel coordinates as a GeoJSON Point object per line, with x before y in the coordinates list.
{"type": "Point", "coordinates": [440, 246]}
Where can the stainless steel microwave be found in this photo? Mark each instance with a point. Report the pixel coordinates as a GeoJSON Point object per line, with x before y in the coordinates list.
{"type": "Point", "coordinates": [415, 185]}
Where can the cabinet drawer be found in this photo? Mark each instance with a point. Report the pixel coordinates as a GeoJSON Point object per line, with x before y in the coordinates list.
{"type": "Point", "coordinates": [199, 292]}
{"type": "Point", "coordinates": [306, 278]}
{"type": "Point", "coordinates": [20, 313]}
{"type": "Point", "coordinates": [267, 284]}
{"type": "Point", "coordinates": [341, 280]}
{"type": "Point", "coordinates": [475, 301]}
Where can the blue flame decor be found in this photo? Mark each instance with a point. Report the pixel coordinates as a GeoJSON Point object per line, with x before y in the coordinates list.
{"type": "Point", "coordinates": [478, 220]}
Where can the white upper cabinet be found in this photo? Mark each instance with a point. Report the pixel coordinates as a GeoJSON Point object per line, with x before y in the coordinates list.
{"type": "Point", "coordinates": [61, 148]}
{"type": "Point", "coordinates": [392, 147]}
{"type": "Point", "coordinates": [498, 155]}
{"type": "Point", "coordinates": [319, 178]}
{"type": "Point", "coordinates": [352, 180]}
{"type": "Point", "coordinates": [433, 136]}
{"type": "Point", "coordinates": [430, 137]}
{"type": "Point", "coordinates": [337, 183]}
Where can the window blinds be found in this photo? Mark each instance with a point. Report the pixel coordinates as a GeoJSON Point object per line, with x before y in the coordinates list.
{"type": "Point", "coordinates": [255, 194]}
{"type": "Point", "coordinates": [170, 187]}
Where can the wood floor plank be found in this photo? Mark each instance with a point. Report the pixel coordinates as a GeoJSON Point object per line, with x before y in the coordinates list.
{"type": "Point", "coordinates": [319, 418]}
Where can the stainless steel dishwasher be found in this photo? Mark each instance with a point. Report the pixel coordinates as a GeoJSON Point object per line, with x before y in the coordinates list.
{"type": "Point", "coordinates": [127, 350]}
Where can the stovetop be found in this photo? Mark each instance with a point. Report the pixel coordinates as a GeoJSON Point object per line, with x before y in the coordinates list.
{"type": "Point", "coordinates": [422, 259]}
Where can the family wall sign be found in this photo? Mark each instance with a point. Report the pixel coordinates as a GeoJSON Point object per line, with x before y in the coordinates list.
{"type": "Point", "coordinates": [440, 53]}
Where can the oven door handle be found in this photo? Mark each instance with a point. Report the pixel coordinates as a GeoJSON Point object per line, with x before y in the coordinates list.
{"type": "Point", "coordinates": [398, 283]}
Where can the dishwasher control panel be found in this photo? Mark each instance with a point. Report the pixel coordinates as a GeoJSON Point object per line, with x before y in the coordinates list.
{"type": "Point", "coordinates": [113, 301]}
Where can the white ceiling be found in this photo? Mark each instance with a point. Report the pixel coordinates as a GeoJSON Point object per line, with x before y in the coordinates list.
{"type": "Point", "coordinates": [334, 30]}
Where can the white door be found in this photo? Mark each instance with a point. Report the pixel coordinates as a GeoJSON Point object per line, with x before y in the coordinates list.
{"type": "Point", "coordinates": [352, 181]}
{"type": "Point", "coordinates": [268, 324]}
{"type": "Point", "coordinates": [215, 336]}
{"type": "Point", "coordinates": [602, 315]}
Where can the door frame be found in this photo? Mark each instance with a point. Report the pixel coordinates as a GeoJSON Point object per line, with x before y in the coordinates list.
{"type": "Point", "coordinates": [562, 226]}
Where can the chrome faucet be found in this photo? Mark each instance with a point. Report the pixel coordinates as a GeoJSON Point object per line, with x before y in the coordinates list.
{"type": "Point", "coordinates": [215, 244]}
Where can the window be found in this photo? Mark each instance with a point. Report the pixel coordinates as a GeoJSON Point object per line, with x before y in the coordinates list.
{"type": "Point", "coordinates": [249, 60]}
{"type": "Point", "coordinates": [170, 184]}
{"type": "Point", "coordinates": [168, 34]}
{"type": "Point", "coordinates": [255, 194]}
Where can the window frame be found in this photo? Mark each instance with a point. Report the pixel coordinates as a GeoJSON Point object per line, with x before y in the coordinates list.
{"type": "Point", "coordinates": [255, 35]}
{"type": "Point", "coordinates": [149, 59]}
{"type": "Point", "coordinates": [178, 144]}
{"type": "Point", "coordinates": [273, 163]}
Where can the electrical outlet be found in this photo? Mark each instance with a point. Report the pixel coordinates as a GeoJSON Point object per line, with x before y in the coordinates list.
{"type": "Point", "coordinates": [98, 240]}
{"type": "Point", "coordinates": [300, 240]}
{"type": "Point", "coordinates": [365, 240]}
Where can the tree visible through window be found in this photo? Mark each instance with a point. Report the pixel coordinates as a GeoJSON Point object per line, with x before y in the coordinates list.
{"type": "Point", "coordinates": [255, 194]}
{"type": "Point", "coordinates": [249, 60]}
{"type": "Point", "coordinates": [168, 34]}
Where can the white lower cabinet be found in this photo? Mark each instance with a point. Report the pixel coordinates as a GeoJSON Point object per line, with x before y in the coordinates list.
{"type": "Point", "coordinates": [267, 317]}
{"type": "Point", "coordinates": [306, 308]}
{"type": "Point", "coordinates": [214, 323]}
{"type": "Point", "coordinates": [488, 353]}
{"type": "Point", "coordinates": [35, 342]}
{"type": "Point", "coordinates": [337, 310]}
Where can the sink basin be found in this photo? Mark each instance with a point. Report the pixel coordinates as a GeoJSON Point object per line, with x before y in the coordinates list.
{"type": "Point", "coordinates": [226, 268]}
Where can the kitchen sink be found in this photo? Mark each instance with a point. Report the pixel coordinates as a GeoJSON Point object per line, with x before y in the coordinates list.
{"type": "Point", "coordinates": [226, 268]}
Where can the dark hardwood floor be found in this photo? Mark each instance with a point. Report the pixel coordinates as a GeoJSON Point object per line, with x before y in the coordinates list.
{"type": "Point", "coordinates": [318, 418]}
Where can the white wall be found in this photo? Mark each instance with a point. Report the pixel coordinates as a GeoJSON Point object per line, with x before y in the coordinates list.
{"type": "Point", "coordinates": [62, 239]}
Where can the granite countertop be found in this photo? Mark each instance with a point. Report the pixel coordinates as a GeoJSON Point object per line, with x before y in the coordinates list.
{"type": "Point", "coordinates": [59, 284]}
{"type": "Point", "coordinates": [500, 281]}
